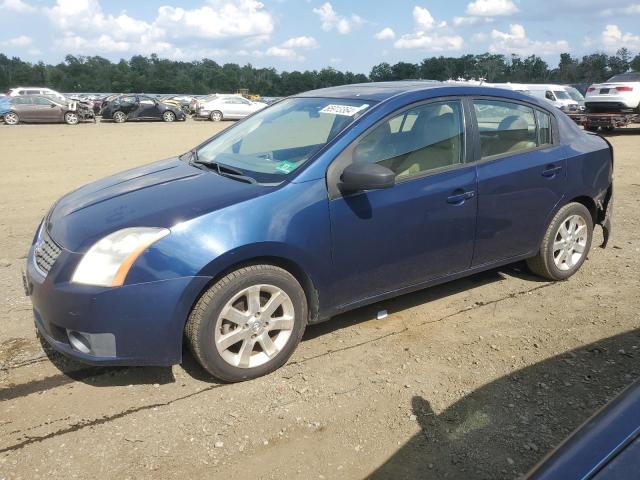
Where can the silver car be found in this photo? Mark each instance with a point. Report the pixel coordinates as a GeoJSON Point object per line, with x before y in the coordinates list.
{"type": "Point", "coordinates": [228, 107]}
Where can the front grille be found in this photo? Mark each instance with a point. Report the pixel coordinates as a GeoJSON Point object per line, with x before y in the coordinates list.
{"type": "Point", "coordinates": [46, 252]}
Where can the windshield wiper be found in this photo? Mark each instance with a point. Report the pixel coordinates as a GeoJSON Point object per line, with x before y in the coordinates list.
{"type": "Point", "coordinates": [222, 169]}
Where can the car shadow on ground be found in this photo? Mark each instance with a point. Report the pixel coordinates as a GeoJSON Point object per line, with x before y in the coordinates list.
{"type": "Point", "coordinates": [410, 300]}
{"type": "Point", "coordinates": [504, 428]}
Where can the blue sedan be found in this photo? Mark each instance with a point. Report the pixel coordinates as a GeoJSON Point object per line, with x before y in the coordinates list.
{"type": "Point", "coordinates": [321, 203]}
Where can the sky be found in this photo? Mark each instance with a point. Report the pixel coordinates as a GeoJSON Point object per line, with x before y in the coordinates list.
{"type": "Point", "coordinates": [311, 34]}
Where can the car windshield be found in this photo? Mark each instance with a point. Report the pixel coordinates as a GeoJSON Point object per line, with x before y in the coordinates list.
{"type": "Point", "coordinates": [626, 77]}
{"type": "Point", "coordinates": [277, 140]}
{"type": "Point", "coordinates": [574, 94]}
{"type": "Point", "coordinates": [561, 95]}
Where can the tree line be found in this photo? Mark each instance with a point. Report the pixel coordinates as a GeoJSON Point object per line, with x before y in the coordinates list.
{"type": "Point", "coordinates": [155, 75]}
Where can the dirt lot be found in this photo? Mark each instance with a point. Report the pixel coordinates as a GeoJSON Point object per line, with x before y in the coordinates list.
{"type": "Point", "coordinates": [478, 378]}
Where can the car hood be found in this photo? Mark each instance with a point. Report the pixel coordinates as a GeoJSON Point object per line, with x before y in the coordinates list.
{"type": "Point", "coordinates": [161, 194]}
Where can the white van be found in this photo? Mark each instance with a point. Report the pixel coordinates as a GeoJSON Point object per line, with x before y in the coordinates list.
{"type": "Point", "coordinates": [16, 92]}
{"type": "Point", "coordinates": [556, 94]}
{"type": "Point", "coordinates": [516, 87]}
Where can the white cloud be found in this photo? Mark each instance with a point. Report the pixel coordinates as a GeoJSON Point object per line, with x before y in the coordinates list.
{"type": "Point", "coordinates": [289, 53]}
{"type": "Point", "coordinates": [20, 41]}
{"type": "Point", "coordinates": [226, 19]}
{"type": "Point", "coordinates": [516, 41]}
{"type": "Point", "coordinates": [289, 48]}
{"type": "Point", "coordinates": [424, 20]}
{"type": "Point", "coordinates": [491, 8]}
{"type": "Point", "coordinates": [613, 39]}
{"type": "Point", "coordinates": [385, 34]}
{"type": "Point", "coordinates": [429, 34]}
{"type": "Point", "coordinates": [85, 26]}
{"type": "Point", "coordinates": [633, 9]}
{"type": "Point", "coordinates": [330, 19]}
{"type": "Point", "coordinates": [465, 21]}
{"type": "Point", "coordinates": [301, 42]}
{"type": "Point", "coordinates": [17, 6]}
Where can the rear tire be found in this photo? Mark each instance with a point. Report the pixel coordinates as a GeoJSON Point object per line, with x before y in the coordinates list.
{"type": "Point", "coordinates": [119, 117]}
{"type": "Point", "coordinates": [248, 323]}
{"type": "Point", "coordinates": [168, 116]}
{"type": "Point", "coordinates": [12, 118]}
{"type": "Point", "coordinates": [565, 245]}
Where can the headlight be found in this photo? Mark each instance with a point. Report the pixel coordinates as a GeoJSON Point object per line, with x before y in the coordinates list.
{"type": "Point", "coordinates": [108, 261]}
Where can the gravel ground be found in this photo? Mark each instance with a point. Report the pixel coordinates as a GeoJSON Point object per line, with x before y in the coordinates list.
{"type": "Point", "coordinates": [474, 379]}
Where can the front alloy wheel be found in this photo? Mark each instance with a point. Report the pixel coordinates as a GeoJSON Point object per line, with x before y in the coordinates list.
{"type": "Point", "coordinates": [248, 323]}
{"type": "Point", "coordinates": [71, 118]}
{"type": "Point", "coordinates": [216, 116]}
{"type": "Point", "coordinates": [168, 116]}
{"type": "Point", "coordinates": [11, 118]}
{"type": "Point", "coordinates": [254, 326]}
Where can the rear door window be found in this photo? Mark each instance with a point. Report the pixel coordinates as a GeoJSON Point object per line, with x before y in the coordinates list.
{"type": "Point", "coordinates": [505, 127]}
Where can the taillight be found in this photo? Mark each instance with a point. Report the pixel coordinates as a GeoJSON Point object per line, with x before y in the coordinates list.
{"type": "Point", "coordinates": [591, 89]}
{"type": "Point", "coordinates": [624, 89]}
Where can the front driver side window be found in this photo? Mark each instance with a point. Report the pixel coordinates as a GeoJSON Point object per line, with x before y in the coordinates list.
{"type": "Point", "coordinates": [419, 140]}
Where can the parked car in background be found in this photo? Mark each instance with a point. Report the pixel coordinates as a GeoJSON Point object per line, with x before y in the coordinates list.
{"type": "Point", "coordinates": [41, 109]}
{"type": "Point", "coordinates": [18, 91]}
{"type": "Point", "coordinates": [140, 107]}
{"type": "Point", "coordinates": [324, 202]}
{"type": "Point", "coordinates": [228, 107]}
{"type": "Point", "coordinates": [575, 94]}
{"type": "Point", "coordinates": [556, 94]}
{"type": "Point", "coordinates": [621, 93]}
{"type": "Point", "coordinates": [607, 447]}
{"type": "Point", "coordinates": [270, 100]}
{"type": "Point", "coordinates": [182, 101]}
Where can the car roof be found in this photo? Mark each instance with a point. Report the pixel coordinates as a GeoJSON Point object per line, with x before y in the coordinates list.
{"type": "Point", "coordinates": [381, 91]}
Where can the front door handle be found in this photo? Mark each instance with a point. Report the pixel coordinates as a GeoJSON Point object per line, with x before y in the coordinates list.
{"type": "Point", "coordinates": [460, 198]}
{"type": "Point", "coordinates": [551, 170]}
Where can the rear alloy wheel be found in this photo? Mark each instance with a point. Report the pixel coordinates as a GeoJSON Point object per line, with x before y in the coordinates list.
{"type": "Point", "coordinates": [216, 116]}
{"type": "Point", "coordinates": [248, 323]}
{"type": "Point", "coordinates": [11, 118]}
{"type": "Point", "coordinates": [168, 116]}
{"type": "Point", "coordinates": [71, 118]}
{"type": "Point", "coordinates": [119, 117]}
{"type": "Point", "coordinates": [565, 245]}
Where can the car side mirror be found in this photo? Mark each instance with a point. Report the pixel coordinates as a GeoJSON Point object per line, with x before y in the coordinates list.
{"type": "Point", "coordinates": [366, 176]}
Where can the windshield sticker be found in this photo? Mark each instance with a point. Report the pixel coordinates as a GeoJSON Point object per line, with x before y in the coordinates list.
{"type": "Point", "coordinates": [285, 167]}
{"type": "Point", "coordinates": [347, 110]}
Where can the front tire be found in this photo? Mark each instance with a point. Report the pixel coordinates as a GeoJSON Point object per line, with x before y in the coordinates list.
{"type": "Point", "coordinates": [215, 116]}
{"type": "Point", "coordinates": [248, 323]}
{"type": "Point", "coordinates": [71, 118]}
{"type": "Point", "coordinates": [12, 118]}
{"type": "Point", "coordinates": [565, 245]}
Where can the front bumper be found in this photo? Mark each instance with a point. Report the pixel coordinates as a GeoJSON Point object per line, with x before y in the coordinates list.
{"type": "Point", "coordinates": [139, 324]}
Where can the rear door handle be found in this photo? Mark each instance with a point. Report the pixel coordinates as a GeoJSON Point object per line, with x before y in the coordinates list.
{"type": "Point", "coordinates": [460, 198]}
{"type": "Point", "coordinates": [551, 170]}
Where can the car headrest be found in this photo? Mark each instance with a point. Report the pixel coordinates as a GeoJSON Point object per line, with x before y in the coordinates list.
{"type": "Point", "coordinates": [440, 128]}
{"type": "Point", "coordinates": [513, 122]}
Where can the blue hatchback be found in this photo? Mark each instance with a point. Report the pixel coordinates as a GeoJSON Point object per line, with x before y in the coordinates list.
{"type": "Point", "coordinates": [321, 203]}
